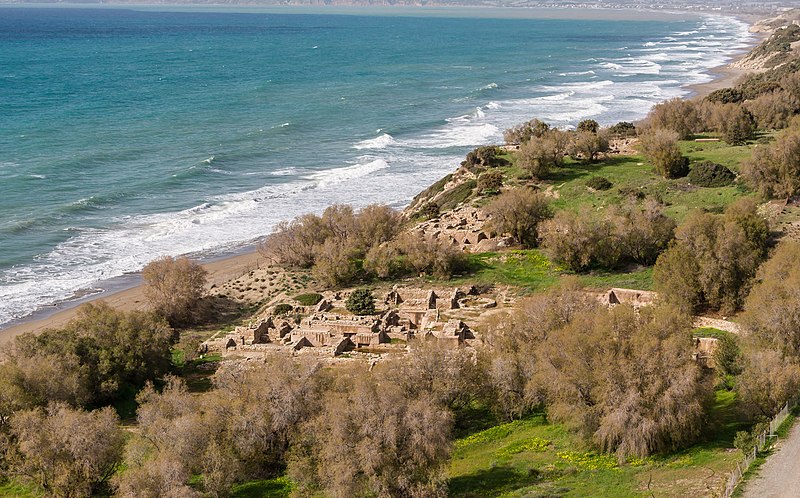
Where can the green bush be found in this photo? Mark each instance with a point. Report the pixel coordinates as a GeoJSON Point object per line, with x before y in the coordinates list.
{"type": "Point", "coordinates": [623, 129]}
{"type": "Point", "coordinates": [599, 183]}
{"type": "Point", "coordinates": [708, 174]}
{"type": "Point", "coordinates": [488, 156]}
{"type": "Point", "coordinates": [428, 211]}
{"type": "Point", "coordinates": [283, 309]}
{"type": "Point", "coordinates": [489, 182]}
{"type": "Point", "coordinates": [361, 302]}
{"type": "Point", "coordinates": [309, 299]}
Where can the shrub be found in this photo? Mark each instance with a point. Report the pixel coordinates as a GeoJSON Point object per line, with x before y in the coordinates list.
{"type": "Point", "coordinates": [488, 156]}
{"type": "Point", "coordinates": [401, 446]}
{"type": "Point", "coordinates": [428, 211]}
{"type": "Point", "coordinates": [581, 240]}
{"type": "Point", "coordinates": [93, 360]}
{"type": "Point", "coordinates": [593, 375]}
{"type": "Point", "coordinates": [67, 452]}
{"type": "Point", "coordinates": [772, 309]}
{"type": "Point", "coordinates": [283, 309]}
{"type": "Point", "coordinates": [677, 115]}
{"type": "Point", "coordinates": [174, 287]}
{"type": "Point", "coordinates": [623, 129]}
{"type": "Point", "coordinates": [385, 261]}
{"type": "Point", "coordinates": [588, 145]}
{"type": "Point", "coordinates": [643, 232]}
{"type": "Point", "coordinates": [708, 174]}
{"type": "Point", "coordinates": [714, 258]}
{"type": "Point", "coordinates": [309, 299]}
{"type": "Point", "coordinates": [774, 110]}
{"type": "Point", "coordinates": [524, 132]}
{"type": "Point", "coordinates": [335, 264]}
{"type": "Point", "coordinates": [361, 302]}
{"type": "Point", "coordinates": [734, 122]}
{"type": "Point", "coordinates": [540, 155]}
{"type": "Point", "coordinates": [660, 147]}
{"type": "Point", "coordinates": [374, 225]}
{"type": "Point", "coordinates": [589, 125]}
{"type": "Point", "coordinates": [744, 441]}
{"type": "Point", "coordinates": [725, 96]}
{"type": "Point", "coordinates": [425, 253]}
{"type": "Point", "coordinates": [767, 381]}
{"type": "Point", "coordinates": [599, 183]}
{"type": "Point", "coordinates": [518, 213]}
{"type": "Point", "coordinates": [489, 182]}
{"type": "Point", "coordinates": [775, 170]}
{"type": "Point", "coordinates": [295, 243]}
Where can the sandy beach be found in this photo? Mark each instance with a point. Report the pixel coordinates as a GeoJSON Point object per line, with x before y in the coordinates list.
{"type": "Point", "coordinates": [219, 272]}
{"type": "Point", "coordinates": [228, 268]}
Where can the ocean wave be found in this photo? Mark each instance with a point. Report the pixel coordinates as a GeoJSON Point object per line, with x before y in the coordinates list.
{"type": "Point", "coordinates": [331, 177]}
{"type": "Point", "coordinates": [380, 142]}
{"type": "Point", "coordinates": [284, 172]}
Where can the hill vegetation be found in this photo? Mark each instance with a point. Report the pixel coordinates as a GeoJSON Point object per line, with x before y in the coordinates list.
{"type": "Point", "coordinates": [560, 395]}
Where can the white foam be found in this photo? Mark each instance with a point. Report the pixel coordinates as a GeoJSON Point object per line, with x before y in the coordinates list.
{"type": "Point", "coordinates": [380, 142]}
{"type": "Point", "coordinates": [330, 177]}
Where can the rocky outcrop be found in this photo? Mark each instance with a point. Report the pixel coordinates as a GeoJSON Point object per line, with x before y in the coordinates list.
{"type": "Point", "coordinates": [464, 227]}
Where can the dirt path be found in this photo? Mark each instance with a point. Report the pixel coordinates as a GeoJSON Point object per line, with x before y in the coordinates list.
{"type": "Point", "coordinates": [779, 477]}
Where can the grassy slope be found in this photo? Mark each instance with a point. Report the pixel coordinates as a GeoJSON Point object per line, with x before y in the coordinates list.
{"type": "Point", "coordinates": [489, 463]}
{"type": "Point", "coordinates": [532, 271]}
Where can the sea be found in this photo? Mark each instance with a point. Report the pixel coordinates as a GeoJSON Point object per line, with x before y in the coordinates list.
{"type": "Point", "coordinates": [131, 133]}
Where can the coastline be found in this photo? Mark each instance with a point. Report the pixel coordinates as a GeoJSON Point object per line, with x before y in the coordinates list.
{"type": "Point", "coordinates": [129, 297]}
{"type": "Point", "coordinates": [726, 76]}
{"type": "Point", "coordinates": [126, 293]}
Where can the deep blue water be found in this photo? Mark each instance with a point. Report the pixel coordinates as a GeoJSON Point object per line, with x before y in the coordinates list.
{"type": "Point", "coordinates": [126, 135]}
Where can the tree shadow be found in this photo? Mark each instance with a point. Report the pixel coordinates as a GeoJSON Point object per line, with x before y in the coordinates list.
{"type": "Point", "coordinates": [495, 481]}
{"type": "Point", "coordinates": [573, 171]}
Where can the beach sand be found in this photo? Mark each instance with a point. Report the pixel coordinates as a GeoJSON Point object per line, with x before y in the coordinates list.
{"type": "Point", "coordinates": [219, 271]}
{"type": "Point", "coordinates": [226, 269]}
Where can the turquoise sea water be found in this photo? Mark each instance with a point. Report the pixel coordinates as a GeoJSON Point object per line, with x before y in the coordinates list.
{"type": "Point", "coordinates": [126, 135]}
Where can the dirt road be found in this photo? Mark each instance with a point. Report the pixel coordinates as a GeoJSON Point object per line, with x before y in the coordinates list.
{"type": "Point", "coordinates": [779, 477]}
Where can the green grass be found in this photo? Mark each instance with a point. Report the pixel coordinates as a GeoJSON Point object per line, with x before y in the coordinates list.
{"type": "Point", "coordinates": [197, 378]}
{"type": "Point", "coordinates": [529, 269]}
{"type": "Point", "coordinates": [532, 457]}
{"type": "Point", "coordinates": [278, 487]}
{"type": "Point", "coordinates": [17, 490]}
{"type": "Point", "coordinates": [532, 271]}
{"type": "Point", "coordinates": [630, 174]}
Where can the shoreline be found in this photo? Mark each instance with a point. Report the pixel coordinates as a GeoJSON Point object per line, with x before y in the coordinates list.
{"type": "Point", "coordinates": [127, 295]}
{"type": "Point", "coordinates": [726, 76]}
{"type": "Point", "coordinates": [126, 292]}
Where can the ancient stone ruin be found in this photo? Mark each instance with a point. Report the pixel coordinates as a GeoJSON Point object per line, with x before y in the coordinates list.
{"type": "Point", "coordinates": [407, 314]}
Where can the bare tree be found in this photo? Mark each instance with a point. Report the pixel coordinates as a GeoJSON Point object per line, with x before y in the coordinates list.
{"type": "Point", "coordinates": [626, 381]}
{"type": "Point", "coordinates": [66, 452]}
{"type": "Point", "coordinates": [393, 445]}
{"type": "Point", "coordinates": [174, 287]}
